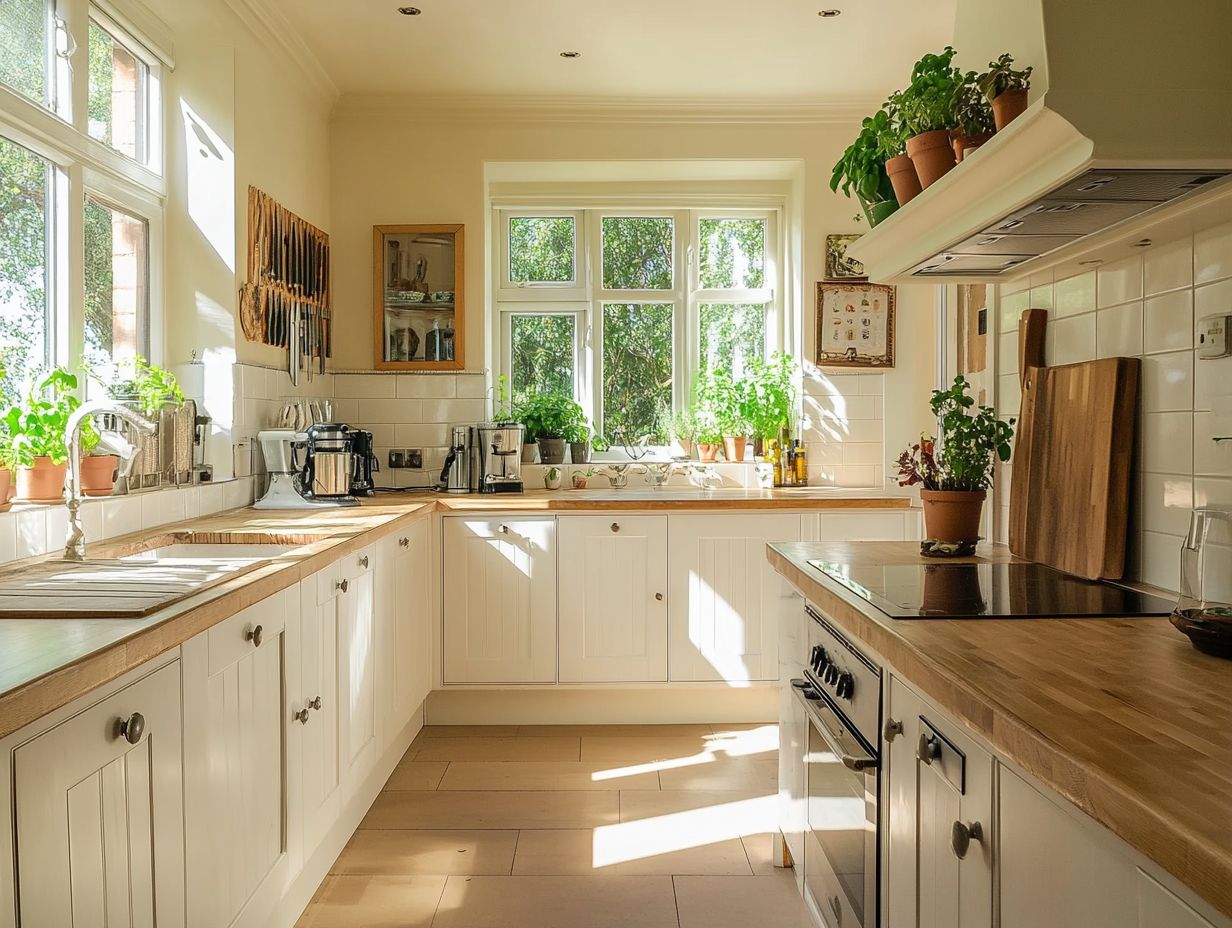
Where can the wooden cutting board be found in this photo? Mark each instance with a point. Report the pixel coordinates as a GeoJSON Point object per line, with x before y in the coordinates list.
{"type": "Point", "coordinates": [1069, 496]}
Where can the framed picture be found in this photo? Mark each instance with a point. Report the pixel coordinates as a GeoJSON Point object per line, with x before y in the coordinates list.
{"type": "Point", "coordinates": [855, 325]}
{"type": "Point", "coordinates": [838, 265]}
{"type": "Point", "coordinates": [418, 305]}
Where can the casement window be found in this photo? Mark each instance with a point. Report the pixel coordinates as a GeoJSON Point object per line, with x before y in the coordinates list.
{"type": "Point", "coordinates": [622, 307]}
{"type": "Point", "coordinates": [81, 190]}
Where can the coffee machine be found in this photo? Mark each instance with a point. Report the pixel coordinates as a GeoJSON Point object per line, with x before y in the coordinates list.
{"type": "Point", "coordinates": [498, 457]}
{"type": "Point", "coordinates": [329, 463]}
{"type": "Point", "coordinates": [289, 481]}
{"type": "Point", "coordinates": [366, 463]}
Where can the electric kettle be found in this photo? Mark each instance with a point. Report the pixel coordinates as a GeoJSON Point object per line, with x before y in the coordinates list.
{"type": "Point", "coordinates": [1204, 609]}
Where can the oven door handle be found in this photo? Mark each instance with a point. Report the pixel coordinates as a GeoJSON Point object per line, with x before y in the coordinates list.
{"type": "Point", "coordinates": [818, 709]}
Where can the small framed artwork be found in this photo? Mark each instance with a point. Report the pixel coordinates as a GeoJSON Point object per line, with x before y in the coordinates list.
{"type": "Point", "coordinates": [838, 265]}
{"type": "Point", "coordinates": [855, 325]}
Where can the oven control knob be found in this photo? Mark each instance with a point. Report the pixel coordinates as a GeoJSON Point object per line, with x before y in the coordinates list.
{"type": "Point", "coordinates": [832, 674]}
{"type": "Point", "coordinates": [846, 685]}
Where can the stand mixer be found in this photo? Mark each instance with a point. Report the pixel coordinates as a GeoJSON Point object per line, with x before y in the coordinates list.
{"type": "Point", "coordinates": [286, 487]}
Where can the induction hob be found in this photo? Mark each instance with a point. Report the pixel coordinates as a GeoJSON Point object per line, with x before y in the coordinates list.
{"type": "Point", "coordinates": [985, 590]}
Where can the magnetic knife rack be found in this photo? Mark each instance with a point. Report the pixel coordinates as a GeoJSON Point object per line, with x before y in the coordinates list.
{"type": "Point", "coordinates": [286, 300]}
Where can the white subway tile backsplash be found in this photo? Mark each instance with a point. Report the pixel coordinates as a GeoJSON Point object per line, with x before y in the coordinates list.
{"type": "Point", "coordinates": [419, 436]}
{"type": "Point", "coordinates": [1168, 322]}
{"type": "Point", "coordinates": [872, 384]}
{"type": "Point", "coordinates": [1118, 332]}
{"type": "Point", "coordinates": [376, 411]}
{"type": "Point", "coordinates": [1168, 267]}
{"type": "Point", "coordinates": [1211, 458]}
{"type": "Point", "coordinates": [1074, 295]}
{"type": "Point", "coordinates": [1007, 352]}
{"type": "Point", "coordinates": [1012, 305]}
{"type": "Point", "coordinates": [1071, 339]}
{"type": "Point", "coordinates": [472, 386]}
{"type": "Point", "coordinates": [1213, 254]}
{"type": "Point", "coordinates": [1009, 394]}
{"type": "Point", "coordinates": [8, 537]}
{"type": "Point", "coordinates": [121, 515]}
{"type": "Point", "coordinates": [421, 386]}
{"type": "Point", "coordinates": [1167, 442]}
{"type": "Point", "coordinates": [872, 453]}
{"type": "Point", "coordinates": [1212, 382]}
{"type": "Point", "coordinates": [1166, 502]}
{"type": "Point", "coordinates": [1160, 558]}
{"type": "Point", "coordinates": [1213, 491]}
{"type": "Point", "coordinates": [452, 412]}
{"type": "Point", "coordinates": [365, 386]}
{"type": "Point", "coordinates": [1119, 283]}
{"type": "Point", "coordinates": [1167, 382]}
{"type": "Point", "coordinates": [1041, 297]}
{"type": "Point", "coordinates": [31, 531]}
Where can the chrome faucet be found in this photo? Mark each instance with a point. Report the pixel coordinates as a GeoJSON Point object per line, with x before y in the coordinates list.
{"type": "Point", "coordinates": [75, 546]}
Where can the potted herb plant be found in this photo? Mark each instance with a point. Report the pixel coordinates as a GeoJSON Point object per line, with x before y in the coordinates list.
{"type": "Point", "coordinates": [1006, 89]}
{"type": "Point", "coordinates": [887, 126]}
{"type": "Point", "coordinates": [955, 470]}
{"type": "Point", "coordinates": [681, 430]}
{"type": "Point", "coordinates": [772, 396]}
{"type": "Point", "coordinates": [579, 437]}
{"type": "Point", "coordinates": [550, 420]}
{"type": "Point", "coordinates": [709, 435]}
{"type": "Point", "coordinates": [36, 428]}
{"type": "Point", "coordinates": [862, 172]}
{"type": "Point", "coordinates": [730, 403]}
{"type": "Point", "coordinates": [928, 108]}
{"type": "Point", "coordinates": [974, 116]}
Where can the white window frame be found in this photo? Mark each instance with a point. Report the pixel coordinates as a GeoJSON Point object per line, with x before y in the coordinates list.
{"type": "Point", "coordinates": [586, 300]}
{"type": "Point", "coordinates": [82, 165]}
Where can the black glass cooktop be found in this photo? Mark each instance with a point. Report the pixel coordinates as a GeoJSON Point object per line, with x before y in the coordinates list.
{"type": "Point", "coordinates": [960, 591]}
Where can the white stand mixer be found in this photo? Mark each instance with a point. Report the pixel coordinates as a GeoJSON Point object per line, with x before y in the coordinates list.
{"type": "Point", "coordinates": [284, 492]}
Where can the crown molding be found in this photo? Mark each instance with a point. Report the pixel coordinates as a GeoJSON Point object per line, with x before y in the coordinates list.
{"type": "Point", "coordinates": [270, 25]}
{"type": "Point", "coordinates": [603, 110]}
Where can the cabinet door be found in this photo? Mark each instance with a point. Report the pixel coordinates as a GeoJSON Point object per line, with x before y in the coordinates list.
{"type": "Point", "coordinates": [499, 580]}
{"type": "Point", "coordinates": [235, 741]}
{"type": "Point", "coordinates": [359, 729]}
{"type": "Point", "coordinates": [100, 815]}
{"type": "Point", "coordinates": [940, 784]}
{"type": "Point", "coordinates": [612, 599]}
{"type": "Point", "coordinates": [405, 631]}
{"type": "Point", "coordinates": [724, 597]}
{"type": "Point", "coordinates": [314, 713]}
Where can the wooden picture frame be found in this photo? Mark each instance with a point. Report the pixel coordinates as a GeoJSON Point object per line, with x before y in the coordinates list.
{"type": "Point", "coordinates": [838, 265]}
{"type": "Point", "coordinates": [414, 326]}
{"type": "Point", "coordinates": [854, 325]}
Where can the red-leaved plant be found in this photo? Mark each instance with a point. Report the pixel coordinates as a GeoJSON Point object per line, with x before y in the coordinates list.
{"type": "Point", "coordinates": [917, 465]}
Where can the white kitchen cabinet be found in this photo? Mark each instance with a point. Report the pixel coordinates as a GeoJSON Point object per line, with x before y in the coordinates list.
{"type": "Point", "coordinates": [359, 734]}
{"type": "Point", "coordinates": [314, 709]}
{"type": "Point", "coordinates": [234, 744]}
{"type": "Point", "coordinates": [724, 598]}
{"type": "Point", "coordinates": [99, 813]}
{"type": "Point", "coordinates": [405, 630]}
{"type": "Point", "coordinates": [939, 865]}
{"type": "Point", "coordinates": [612, 598]}
{"type": "Point", "coordinates": [1159, 907]}
{"type": "Point", "coordinates": [499, 595]}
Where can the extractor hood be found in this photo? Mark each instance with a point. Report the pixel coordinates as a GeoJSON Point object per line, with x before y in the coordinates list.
{"type": "Point", "coordinates": [1130, 117]}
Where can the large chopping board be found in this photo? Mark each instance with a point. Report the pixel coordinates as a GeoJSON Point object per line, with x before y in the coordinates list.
{"type": "Point", "coordinates": [1069, 496]}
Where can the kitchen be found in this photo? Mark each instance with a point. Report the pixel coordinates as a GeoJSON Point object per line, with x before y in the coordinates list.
{"type": "Point", "coordinates": [455, 480]}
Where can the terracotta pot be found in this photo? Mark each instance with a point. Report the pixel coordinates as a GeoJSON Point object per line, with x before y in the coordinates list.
{"type": "Point", "coordinates": [1008, 106]}
{"type": "Point", "coordinates": [733, 449]}
{"type": "Point", "coordinates": [98, 474]}
{"type": "Point", "coordinates": [707, 453]}
{"type": "Point", "coordinates": [905, 181]}
{"type": "Point", "coordinates": [44, 482]}
{"type": "Point", "coordinates": [681, 448]}
{"type": "Point", "coordinates": [952, 515]}
{"type": "Point", "coordinates": [6, 485]}
{"type": "Point", "coordinates": [963, 143]}
{"type": "Point", "coordinates": [932, 155]}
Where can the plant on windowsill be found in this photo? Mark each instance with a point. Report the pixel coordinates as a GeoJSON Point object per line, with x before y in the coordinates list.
{"type": "Point", "coordinates": [731, 403]}
{"type": "Point", "coordinates": [928, 109]}
{"type": "Point", "coordinates": [154, 392]}
{"type": "Point", "coordinates": [771, 404]}
{"type": "Point", "coordinates": [681, 431]}
{"type": "Point", "coordinates": [579, 436]}
{"type": "Point", "coordinates": [1006, 89]}
{"type": "Point", "coordinates": [37, 443]}
{"type": "Point", "coordinates": [955, 470]}
{"type": "Point", "coordinates": [149, 389]}
{"type": "Point", "coordinates": [550, 420]}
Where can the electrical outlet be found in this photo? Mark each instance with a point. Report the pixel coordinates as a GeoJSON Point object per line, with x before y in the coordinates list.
{"type": "Point", "coordinates": [1213, 339]}
{"type": "Point", "coordinates": [406, 459]}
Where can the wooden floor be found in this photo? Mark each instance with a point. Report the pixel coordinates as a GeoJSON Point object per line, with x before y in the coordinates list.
{"type": "Point", "coordinates": [624, 826]}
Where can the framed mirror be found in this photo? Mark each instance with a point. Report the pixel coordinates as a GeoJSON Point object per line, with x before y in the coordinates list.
{"type": "Point", "coordinates": [418, 308]}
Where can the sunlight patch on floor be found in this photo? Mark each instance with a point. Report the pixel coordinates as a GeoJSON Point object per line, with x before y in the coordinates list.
{"type": "Point", "coordinates": [678, 831]}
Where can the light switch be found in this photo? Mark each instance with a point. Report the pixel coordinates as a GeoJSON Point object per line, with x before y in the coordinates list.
{"type": "Point", "coordinates": [1213, 337]}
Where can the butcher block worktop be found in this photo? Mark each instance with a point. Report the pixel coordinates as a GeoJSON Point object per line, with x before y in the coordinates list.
{"type": "Point", "coordinates": [1120, 716]}
{"type": "Point", "coordinates": [46, 663]}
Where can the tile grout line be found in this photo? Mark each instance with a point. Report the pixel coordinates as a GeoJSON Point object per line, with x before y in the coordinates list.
{"type": "Point", "coordinates": [676, 900]}
{"type": "Point", "coordinates": [436, 908]}
{"type": "Point", "coordinates": [513, 859]}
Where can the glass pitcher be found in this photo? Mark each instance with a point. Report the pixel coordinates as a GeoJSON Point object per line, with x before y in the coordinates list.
{"type": "Point", "coordinates": [1204, 608]}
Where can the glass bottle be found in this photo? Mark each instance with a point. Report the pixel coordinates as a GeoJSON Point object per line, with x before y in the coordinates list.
{"type": "Point", "coordinates": [800, 463]}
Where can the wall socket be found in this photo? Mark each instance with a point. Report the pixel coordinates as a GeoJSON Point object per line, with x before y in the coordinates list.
{"type": "Point", "coordinates": [406, 459]}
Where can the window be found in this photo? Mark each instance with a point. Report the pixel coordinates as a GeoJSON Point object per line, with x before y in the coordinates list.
{"type": "Point", "coordinates": [116, 279]}
{"type": "Point", "coordinates": [26, 190]}
{"type": "Point", "coordinates": [621, 307]}
{"type": "Point", "coordinates": [25, 48]}
{"type": "Point", "coordinates": [118, 113]}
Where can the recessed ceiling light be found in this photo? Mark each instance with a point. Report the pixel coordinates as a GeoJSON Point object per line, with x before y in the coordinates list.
{"type": "Point", "coordinates": [571, 54]}
{"type": "Point", "coordinates": [409, 10]}
{"type": "Point", "coordinates": [829, 14]}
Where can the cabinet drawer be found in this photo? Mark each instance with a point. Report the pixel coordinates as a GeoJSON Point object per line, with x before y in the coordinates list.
{"type": "Point", "coordinates": [358, 563]}
{"type": "Point", "coordinates": [256, 626]}
{"type": "Point", "coordinates": [326, 582]}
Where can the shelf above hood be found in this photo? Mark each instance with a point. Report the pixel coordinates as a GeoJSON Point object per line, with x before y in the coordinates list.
{"type": "Point", "coordinates": [1129, 122]}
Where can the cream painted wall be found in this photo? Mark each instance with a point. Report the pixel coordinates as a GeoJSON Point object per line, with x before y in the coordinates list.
{"type": "Point", "coordinates": [392, 165]}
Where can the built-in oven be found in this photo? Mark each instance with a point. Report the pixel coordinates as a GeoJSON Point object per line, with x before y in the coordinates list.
{"type": "Point", "coordinates": [841, 694]}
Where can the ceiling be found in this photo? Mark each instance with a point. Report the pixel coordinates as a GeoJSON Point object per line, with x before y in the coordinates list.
{"type": "Point", "coordinates": [705, 50]}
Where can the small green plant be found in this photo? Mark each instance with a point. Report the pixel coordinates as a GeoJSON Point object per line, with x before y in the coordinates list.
{"type": "Point", "coordinates": [1001, 76]}
{"type": "Point", "coordinates": [771, 390]}
{"type": "Point", "coordinates": [37, 426]}
{"type": "Point", "coordinates": [729, 401]}
{"type": "Point", "coordinates": [151, 387]}
{"type": "Point", "coordinates": [549, 415]}
{"type": "Point", "coordinates": [502, 403]}
{"type": "Point", "coordinates": [681, 426]}
{"type": "Point", "coordinates": [970, 443]}
{"type": "Point", "coordinates": [972, 109]}
{"type": "Point", "coordinates": [930, 101]}
{"type": "Point", "coordinates": [861, 170]}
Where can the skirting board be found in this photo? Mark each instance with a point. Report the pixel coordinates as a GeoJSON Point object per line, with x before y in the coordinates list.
{"type": "Point", "coordinates": [597, 707]}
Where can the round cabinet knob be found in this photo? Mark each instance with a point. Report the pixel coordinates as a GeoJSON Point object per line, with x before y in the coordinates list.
{"type": "Point", "coordinates": [315, 704]}
{"type": "Point", "coordinates": [254, 635]}
{"type": "Point", "coordinates": [363, 562]}
{"type": "Point", "coordinates": [961, 836]}
{"type": "Point", "coordinates": [504, 529]}
{"type": "Point", "coordinates": [615, 526]}
{"type": "Point", "coordinates": [132, 728]}
{"type": "Point", "coordinates": [658, 597]}
{"type": "Point", "coordinates": [343, 585]}
{"type": "Point", "coordinates": [301, 716]}
{"type": "Point", "coordinates": [929, 748]}
{"type": "Point", "coordinates": [404, 542]}
{"type": "Point", "coordinates": [892, 729]}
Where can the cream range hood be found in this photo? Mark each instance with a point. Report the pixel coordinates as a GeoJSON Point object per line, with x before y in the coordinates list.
{"type": "Point", "coordinates": [1130, 122]}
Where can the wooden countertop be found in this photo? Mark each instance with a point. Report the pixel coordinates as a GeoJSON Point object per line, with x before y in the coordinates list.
{"type": "Point", "coordinates": [1122, 716]}
{"type": "Point", "coordinates": [671, 498]}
